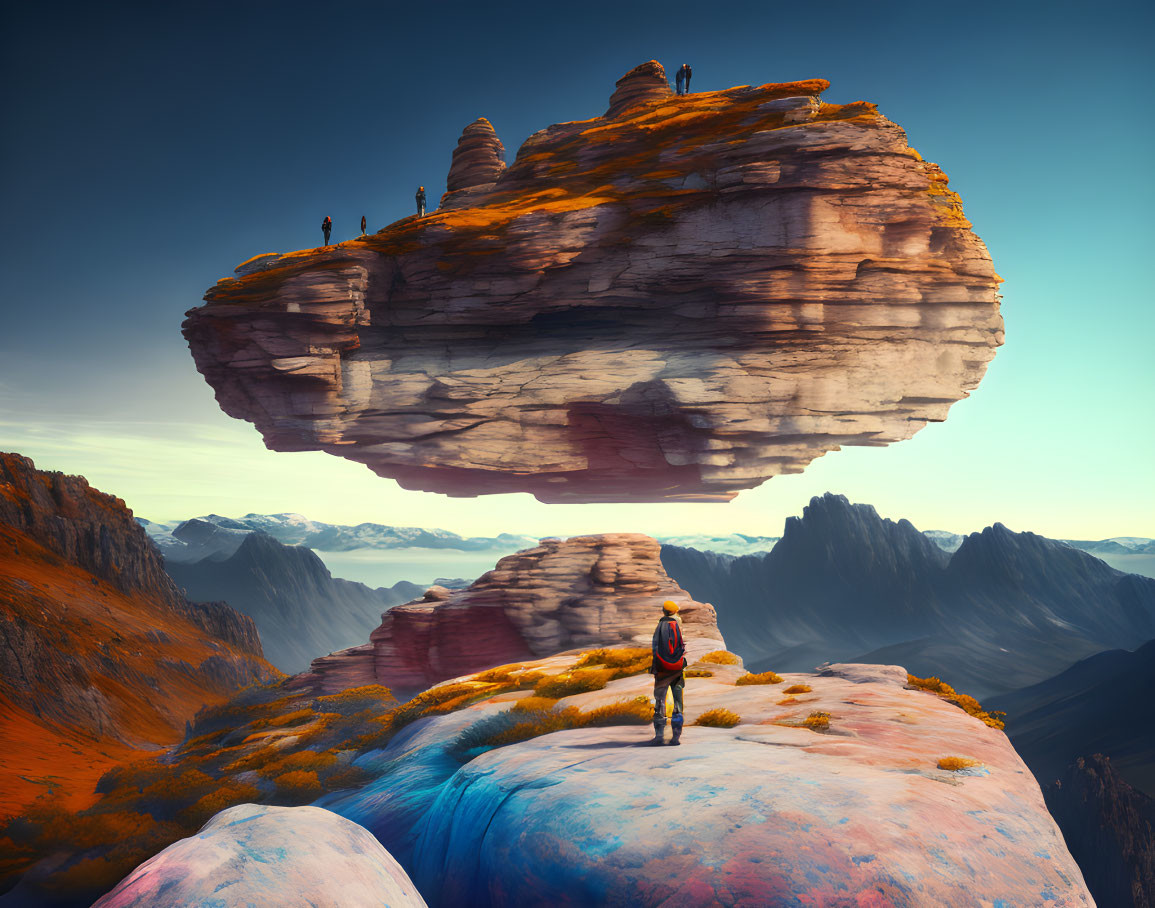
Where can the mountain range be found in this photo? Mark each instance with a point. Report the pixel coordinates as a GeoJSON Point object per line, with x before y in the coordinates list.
{"type": "Point", "coordinates": [1004, 611]}
{"type": "Point", "coordinates": [300, 609]}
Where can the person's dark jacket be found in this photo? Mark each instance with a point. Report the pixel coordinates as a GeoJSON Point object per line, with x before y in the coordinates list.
{"type": "Point", "coordinates": [421, 197]}
{"type": "Point", "coordinates": [654, 667]}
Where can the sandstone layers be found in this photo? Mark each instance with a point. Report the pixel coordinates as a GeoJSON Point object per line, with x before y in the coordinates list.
{"type": "Point", "coordinates": [587, 591]}
{"type": "Point", "coordinates": [673, 301]}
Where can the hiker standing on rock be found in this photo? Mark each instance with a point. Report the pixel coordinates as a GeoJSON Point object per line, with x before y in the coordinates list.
{"type": "Point", "coordinates": [668, 669]}
{"type": "Point", "coordinates": [326, 227]}
{"type": "Point", "coordinates": [362, 225]}
{"type": "Point", "coordinates": [680, 79]}
{"type": "Point", "coordinates": [684, 77]}
{"type": "Point", "coordinates": [420, 201]}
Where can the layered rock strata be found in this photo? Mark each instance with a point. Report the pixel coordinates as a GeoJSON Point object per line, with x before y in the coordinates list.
{"type": "Point", "coordinates": [99, 652]}
{"type": "Point", "coordinates": [587, 591]}
{"type": "Point", "coordinates": [675, 301]}
{"type": "Point", "coordinates": [478, 162]}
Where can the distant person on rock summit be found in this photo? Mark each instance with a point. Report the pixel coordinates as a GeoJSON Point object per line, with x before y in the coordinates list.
{"type": "Point", "coordinates": [362, 225]}
{"type": "Point", "coordinates": [420, 201]}
{"type": "Point", "coordinates": [680, 80]}
{"type": "Point", "coordinates": [684, 77]}
{"type": "Point", "coordinates": [326, 228]}
{"type": "Point", "coordinates": [668, 668]}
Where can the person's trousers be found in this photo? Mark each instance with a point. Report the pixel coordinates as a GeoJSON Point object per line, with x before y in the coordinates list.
{"type": "Point", "coordinates": [687, 85]}
{"type": "Point", "coordinates": [421, 210]}
{"type": "Point", "coordinates": [326, 237]}
{"type": "Point", "coordinates": [663, 681]}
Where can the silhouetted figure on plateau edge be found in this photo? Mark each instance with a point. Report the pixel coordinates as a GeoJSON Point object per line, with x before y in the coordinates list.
{"type": "Point", "coordinates": [668, 668]}
{"type": "Point", "coordinates": [420, 201]}
{"type": "Point", "coordinates": [680, 79]}
{"type": "Point", "coordinates": [362, 225]}
{"type": "Point", "coordinates": [684, 77]}
{"type": "Point", "coordinates": [326, 228]}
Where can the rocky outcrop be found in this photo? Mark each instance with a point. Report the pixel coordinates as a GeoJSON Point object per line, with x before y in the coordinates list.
{"type": "Point", "coordinates": [1004, 611]}
{"type": "Point", "coordinates": [300, 609]}
{"type": "Point", "coordinates": [586, 591]}
{"type": "Point", "coordinates": [643, 83]}
{"type": "Point", "coordinates": [478, 162]}
{"type": "Point", "coordinates": [99, 652]}
{"type": "Point", "coordinates": [675, 302]}
{"type": "Point", "coordinates": [768, 812]}
{"type": "Point", "coordinates": [1108, 826]}
{"type": "Point", "coordinates": [257, 855]}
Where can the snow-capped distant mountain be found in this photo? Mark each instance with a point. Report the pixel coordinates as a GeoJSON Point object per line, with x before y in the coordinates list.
{"type": "Point", "coordinates": [733, 544]}
{"type": "Point", "coordinates": [213, 535]}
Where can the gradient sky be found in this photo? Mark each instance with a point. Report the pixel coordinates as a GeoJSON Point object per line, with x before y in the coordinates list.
{"type": "Point", "coordinates": [149, 148]}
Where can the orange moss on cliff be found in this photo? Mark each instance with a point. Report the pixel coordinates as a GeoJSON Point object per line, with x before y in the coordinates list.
{"type": "Point", "coordinates": [87, 622]}
{"type": "Point", "coordinates": [579, 165]}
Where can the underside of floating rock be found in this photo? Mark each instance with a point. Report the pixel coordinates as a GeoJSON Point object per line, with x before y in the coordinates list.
{"type": "Point", "coordinates": [675, 302]}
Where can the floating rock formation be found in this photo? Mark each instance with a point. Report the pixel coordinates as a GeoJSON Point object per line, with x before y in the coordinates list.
{"type": "Point", "coordinates": [251, 855]}
{"type": "Point", "coordinates": [675, 301]}
{"type": "Point", "coordinates": [587, 591]}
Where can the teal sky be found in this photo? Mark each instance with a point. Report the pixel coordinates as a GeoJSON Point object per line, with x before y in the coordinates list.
{"type": "Point", "coordinates": [148, 151]}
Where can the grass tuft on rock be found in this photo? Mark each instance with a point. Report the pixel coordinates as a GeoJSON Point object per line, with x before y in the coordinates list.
{"type": "Point", "coordinates": [718, 718]}
{"type": "Point", "coordinates": [761, 678]}
{"type": "Point", "coordinates": [721, 657]}
{"type": "Point", "coordinates": [968, 704]}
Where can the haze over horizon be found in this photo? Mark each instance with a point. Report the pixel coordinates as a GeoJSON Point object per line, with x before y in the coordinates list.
{"type": "Point", "coordinates": [157, 148]}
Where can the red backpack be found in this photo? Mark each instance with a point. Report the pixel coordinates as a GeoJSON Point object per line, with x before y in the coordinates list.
{"type": "Point", "coordinates": [670, 655]}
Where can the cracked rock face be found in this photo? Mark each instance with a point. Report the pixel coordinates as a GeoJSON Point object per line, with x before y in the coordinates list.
{"type": "Point", "coordinates": [586, 591]}
{"type": "Point", "coordinates": [675, 301]}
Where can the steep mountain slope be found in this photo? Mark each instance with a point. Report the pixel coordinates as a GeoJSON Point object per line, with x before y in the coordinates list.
{"type": "Point", "coordinates": [300, 609]}
{"type": "Point", "coordinates": [100, 655]}
{"type": "Point", "coordinates": [1004, 611]}
{"type": "Point", "coordinates": [1110, 830]}
{"type": "Point", "coordinates": [1099, 705]}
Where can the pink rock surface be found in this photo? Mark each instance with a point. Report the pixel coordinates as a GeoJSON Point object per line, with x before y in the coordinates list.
{"type": "Point", "coordinates": [270, 856]}
{"type": "Point", "coordinates": [583, 592]}
{"type": "Point", "coordinates": [761, 814]}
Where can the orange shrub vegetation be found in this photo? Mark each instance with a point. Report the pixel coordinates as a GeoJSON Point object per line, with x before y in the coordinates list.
{"type": "Point", "coordinates": [629, 712]}
{"type": "Point", "coordinates": [763, 678]}
{"type": "Point", "coordinates": [309, 760]}
{"type": "Point", "coordinates": [174, 787]}
{"type": "Point", "coordinates": [296, 717]}
{"type": "Point", "coordinates": [718, 718]}
{"type": "Point", "coordinates": [299, 783]}
{"type": "Point", "coordinates": [956, 763]}
{"type": "Point", "coordinates": [626, 660]}
{"type": "Point", "coordinates": [228, 795]}
{"type": "Point", "coordinates": [579, 681]}
{"type": "Point", "coordinates": [964, 702]}
{"type": "Point", "coordinates": [698, 673]}
{"type": "Point", "coordinates": [534, 704]}
{"type": "Point", "coordinates": [817, 720]}
{"type": "Point", "coordinates": [356, 699]}
{"type": "Point", "coordinates": [797, 689]}
{"type": "Point", "coordinates": [721, 657]}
